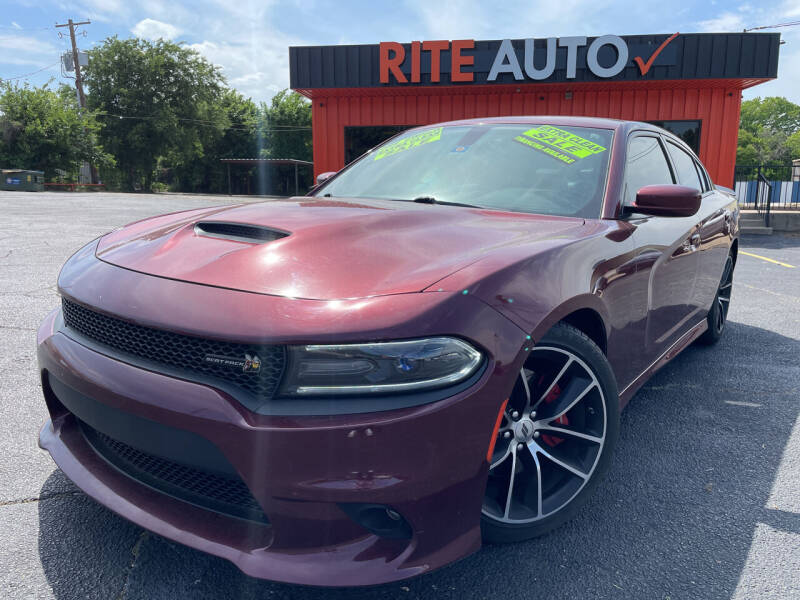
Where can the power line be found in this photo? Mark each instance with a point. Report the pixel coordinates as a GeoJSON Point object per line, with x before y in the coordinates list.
{"type": "Point", "coordinates": [24, 28]}
{"type": "Point", "coordinates": [23, 76]}
{"type": "Point", "coordinates": [789, 24]}
{"type": "Point", "coordinates": [207, 123]}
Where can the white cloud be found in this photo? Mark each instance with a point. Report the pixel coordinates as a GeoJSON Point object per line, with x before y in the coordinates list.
{"type": "Point", "coordinates": [791, 8]}
{"type": "Point", "coordinates": [27, 50]}
{"type": "Point", "coordinates": [105, 11]}
{"type": "Point", "coordinates": [258, 68]}
{"type": "Point", "coordinates": [105, 6]}
{"type": "Point", "coordinates": [237, 36]}
{"type": "Point", "coordinates": [15, 25]}
{"type": "Point", "coordinates": [727, 21]}
{"type": "Point", "coordinates": [188, 17]}
{"type": "Point", "coordinates": [150, 29]}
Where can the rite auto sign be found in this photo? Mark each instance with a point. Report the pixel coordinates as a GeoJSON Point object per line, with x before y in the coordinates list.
{"type": "Point", "coordinates": [669, 56]}
{"type": "Point", "coordinates": [537, 60]}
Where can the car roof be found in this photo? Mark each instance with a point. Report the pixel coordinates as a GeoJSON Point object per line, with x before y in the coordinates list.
{"type": "Point", "coordinates": [616, 125]}
{"type": "Point", "coordinates": [564, 120]}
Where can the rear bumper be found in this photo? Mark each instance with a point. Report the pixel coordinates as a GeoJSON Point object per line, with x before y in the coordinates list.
{"type": "Point", "coordinates": [426, 462]}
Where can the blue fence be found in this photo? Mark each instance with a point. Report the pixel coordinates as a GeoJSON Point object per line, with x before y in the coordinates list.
{"type": "Point", "coordinates": [771, 184]}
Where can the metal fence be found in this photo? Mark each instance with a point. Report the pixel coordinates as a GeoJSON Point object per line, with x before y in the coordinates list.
{"type": "Point", "coordinates": [768, 187]}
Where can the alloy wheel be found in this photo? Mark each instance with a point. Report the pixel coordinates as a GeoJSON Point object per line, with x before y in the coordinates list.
{"type": "Point", "coordinates": [550, 440]}
{"type": "Point", "coordinates": [724, 295]}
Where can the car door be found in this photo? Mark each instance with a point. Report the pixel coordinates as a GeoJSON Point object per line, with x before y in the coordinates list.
{"type": "Point", "coordinates": [667, 251]}
{"type": "Point", "coordinates": [714, 223]}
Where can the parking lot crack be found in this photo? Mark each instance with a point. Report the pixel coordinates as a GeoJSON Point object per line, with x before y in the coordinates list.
{"type": "Point", "coordinates": [17, 328]}
{"type": "Point", "coordinates": [135, 550]}
{"type": "Point", "coordinates": [30, 499]}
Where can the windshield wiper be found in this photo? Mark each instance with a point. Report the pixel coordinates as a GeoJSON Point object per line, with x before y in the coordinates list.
{"type": "Point", "coordinates": [432, 200]}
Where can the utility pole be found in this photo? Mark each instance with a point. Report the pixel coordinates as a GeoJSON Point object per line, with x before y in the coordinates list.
{"type": "Point", "coordinates": [78, 79]}
{"type": "Point", "coordinates": [76, 62]}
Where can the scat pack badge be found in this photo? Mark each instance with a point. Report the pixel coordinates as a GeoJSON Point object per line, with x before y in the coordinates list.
{"type": "Point", "coordinates": [248, 364]}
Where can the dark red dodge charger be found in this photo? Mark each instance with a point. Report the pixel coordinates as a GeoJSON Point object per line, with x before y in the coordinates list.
{"type": "Point", "coordinates": [430, 350]}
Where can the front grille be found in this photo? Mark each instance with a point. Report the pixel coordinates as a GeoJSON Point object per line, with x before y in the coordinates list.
{"type": "Point", "coordinates": [220, 493]}
{"type": "Point", "coordinates": [218, 360]}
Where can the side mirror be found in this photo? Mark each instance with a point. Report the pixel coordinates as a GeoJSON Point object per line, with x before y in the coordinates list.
{"type": "Point", "coordinates": [667, 201]}
{"type": "Point", "coordinates": [325, 176]}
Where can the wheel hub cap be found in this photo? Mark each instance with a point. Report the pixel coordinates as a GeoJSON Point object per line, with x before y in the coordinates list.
{"type": "Point", "coordinates": [523, 430]}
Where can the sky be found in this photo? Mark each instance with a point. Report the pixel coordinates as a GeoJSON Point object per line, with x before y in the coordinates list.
{"type": "Point", "coordinates": [249, 39]}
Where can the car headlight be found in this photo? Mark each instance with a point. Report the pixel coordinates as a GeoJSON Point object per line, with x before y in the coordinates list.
{"type": "Point", "coordinates": [379, 368]}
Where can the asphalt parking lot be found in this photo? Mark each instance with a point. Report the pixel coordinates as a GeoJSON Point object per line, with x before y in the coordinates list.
{"type": "Point", "coordinates": [702, 500]}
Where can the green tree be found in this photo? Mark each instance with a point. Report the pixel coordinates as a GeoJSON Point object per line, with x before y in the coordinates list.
{"type": "Point", "coordinates": [285, 128]}
{"type": "Point", "coordinates": [793, 143]}
{"type": "Point", "coordinates": [769, 132]}
{"type": "Point", "coordinates": [773, 113]}
{"type": "Point", "coordinates": [155, 99]}
{"type": "Point", "coordinates": [768, 146]}
{"type": "Point", "coordinates": [43, 129]}
{"type": "Point", "coordinates": [233, 135]}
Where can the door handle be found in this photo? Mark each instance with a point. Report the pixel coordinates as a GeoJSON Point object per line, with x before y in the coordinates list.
{"type": "Point", "coordinates": [691, 244]}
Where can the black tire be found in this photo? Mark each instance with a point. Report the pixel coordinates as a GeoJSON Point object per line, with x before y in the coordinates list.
{"type": "Point", "coordinates": [565, 338]}
{"type": "Point", "coordinates": [718, 314]}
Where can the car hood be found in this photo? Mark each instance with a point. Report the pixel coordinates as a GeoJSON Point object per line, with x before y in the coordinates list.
{"type": "Point", "coordinates": [335, 248]}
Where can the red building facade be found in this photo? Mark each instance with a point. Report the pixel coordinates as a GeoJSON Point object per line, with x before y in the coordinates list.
{"type": "Point", "coordinates": [690, 84]}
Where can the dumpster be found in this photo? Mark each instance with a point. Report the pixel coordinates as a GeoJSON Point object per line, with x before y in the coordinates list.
{"type": "Point", "coordinates": [21, 180]}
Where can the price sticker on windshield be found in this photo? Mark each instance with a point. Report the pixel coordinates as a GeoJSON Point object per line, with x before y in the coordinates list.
{"type": "Point", "coordinates": [407, 143]}
{"type": "Point", "coordinates": [560, 144]}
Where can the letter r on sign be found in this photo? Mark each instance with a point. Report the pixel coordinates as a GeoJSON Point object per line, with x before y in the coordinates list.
{"type": "Point", "coordinates": [391, 63]}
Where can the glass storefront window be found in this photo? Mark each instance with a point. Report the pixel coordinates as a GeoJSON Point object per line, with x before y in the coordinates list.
{"type": "Point", "coordinates": [688, 131]}
{"type": "Point", "coordinates": [358, 140]}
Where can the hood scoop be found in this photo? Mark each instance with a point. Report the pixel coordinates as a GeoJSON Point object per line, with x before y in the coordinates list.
{"type": "Point", "coordinates": [239, 232]}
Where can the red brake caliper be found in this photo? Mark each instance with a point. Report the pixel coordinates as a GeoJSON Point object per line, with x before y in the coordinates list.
{"type": "Point", "coordinates": [552, 440]}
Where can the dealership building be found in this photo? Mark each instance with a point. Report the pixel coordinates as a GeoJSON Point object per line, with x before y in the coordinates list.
{"type": "Point", "coordinates": [690, 84]}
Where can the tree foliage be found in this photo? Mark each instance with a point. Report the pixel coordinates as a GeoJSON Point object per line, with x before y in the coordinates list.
{"type": "Point", "coordinates": [168, 114]}
{"type": "Point", "coordinates": [774, 113]}
{"type": "Point", "coordinates": [286, 127]}
{"type": "Point", "coordinates": [155, 99]}
{"type": "Point", "coordinates": [156, 111]}
{"type": "Point", "coordinates": [769, 132]}
{"type": "Point", "coordinates": [198, 168]}
{"type": "Point", "coordinates": [43, 129]}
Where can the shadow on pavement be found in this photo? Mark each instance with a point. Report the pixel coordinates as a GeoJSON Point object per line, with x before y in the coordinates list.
{"type": "Point", "coordinates": [699, 449]}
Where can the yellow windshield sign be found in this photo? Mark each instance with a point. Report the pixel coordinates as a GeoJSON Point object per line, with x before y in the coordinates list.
{"type": "Point", "coordinates": [560, 144]}
{"type": "Point", "coordinates": [407, 143]}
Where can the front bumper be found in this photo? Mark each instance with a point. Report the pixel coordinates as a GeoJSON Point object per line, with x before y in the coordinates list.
{"type": "Point", "coordinates": [428, 463]}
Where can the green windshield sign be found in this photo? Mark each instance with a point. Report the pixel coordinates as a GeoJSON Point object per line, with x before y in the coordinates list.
{"type": "Point", "coordinates": [558, 143]}
{"type": "Point", "coordinates": [407, 143]}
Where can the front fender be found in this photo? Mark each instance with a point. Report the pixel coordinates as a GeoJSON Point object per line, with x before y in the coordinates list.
{"type": "Point", "coordinates": [537, 288]}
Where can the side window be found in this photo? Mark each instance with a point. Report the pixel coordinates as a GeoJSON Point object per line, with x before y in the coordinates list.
{"type": "Point", "coordinates": [707, 184]}
{"type": "Point", "coordinates": [685, 169]}
{"type": "Point", "coordinates": [646, 165]}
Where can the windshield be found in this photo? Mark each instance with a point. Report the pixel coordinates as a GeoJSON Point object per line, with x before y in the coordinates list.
{"type": "Point", "coordinates": [524, 167]}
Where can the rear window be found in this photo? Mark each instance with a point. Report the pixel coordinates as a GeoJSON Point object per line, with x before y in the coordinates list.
{"type": "Point", "coordinates": [685, 168]}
